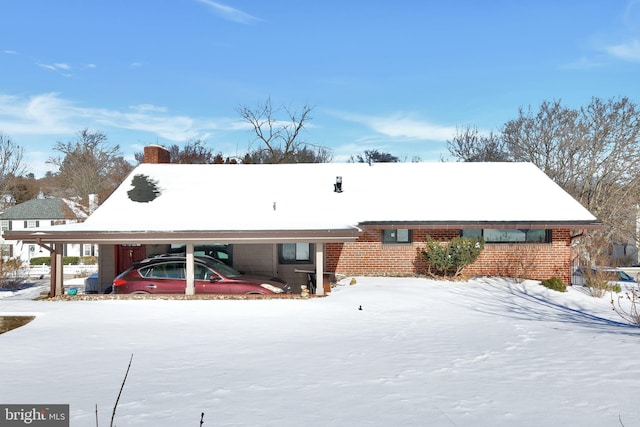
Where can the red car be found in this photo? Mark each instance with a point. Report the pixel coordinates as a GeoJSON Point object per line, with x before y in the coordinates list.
{"type": "Point", "coordinates": [166, 275]}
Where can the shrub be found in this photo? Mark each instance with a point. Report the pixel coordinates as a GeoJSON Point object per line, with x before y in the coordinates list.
{"type": "Point", "coordinates": [554, 283]}
{"type": "Point", "coordinates": [9, 268]}
{"type": "Point", "coordinates": [628, 306]}
{"type": "Point", "coordinates": [40, 260]}
{"type": "Point", "coordinates": [598, 282]}
{"type": "Point", "coordinates": [517, 261]}
{"type": "Point", "coordinates": [89, 260]}
{"type": "Point", "coordinates": [73, 260]}
{"type": "Point", "coordinates": [450, 258]}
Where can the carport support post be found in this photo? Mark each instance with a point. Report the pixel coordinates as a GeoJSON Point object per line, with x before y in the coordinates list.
{"type": "Point", "coordinates": [190, 289]}
{"type": "Point", "coordinates": [57, 273]}
{"type": "Point", "coordinates": [319, 268]}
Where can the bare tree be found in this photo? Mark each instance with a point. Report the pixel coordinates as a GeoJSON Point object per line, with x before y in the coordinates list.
{"type": "Point", "coordinates": [11, 165]}
{"type": "Point", "coordinates": [89, 165]}
{"type": "Point", "coordinates": [280, 141]}
{"type": "Point", "coordinates": [592, 152]}
{"type": "Point", "coordinates": [193, 152]}
{"type": "Point", "coordinates": [468, 145]}
{"type": "Point", "coordinates": [304, 154]}
{"type": "Point", "coordinates": [374, 156]}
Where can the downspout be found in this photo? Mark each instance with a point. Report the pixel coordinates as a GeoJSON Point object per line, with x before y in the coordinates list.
{"type": "Point", "coordinates": [581, 234]}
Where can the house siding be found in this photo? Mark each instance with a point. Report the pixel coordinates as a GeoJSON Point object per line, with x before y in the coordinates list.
{"type": "Point", "coordinates": [369, 256]}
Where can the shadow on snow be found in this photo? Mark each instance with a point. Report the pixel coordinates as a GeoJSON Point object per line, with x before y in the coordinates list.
{"type": "Point", "coordinates": [519, 303]}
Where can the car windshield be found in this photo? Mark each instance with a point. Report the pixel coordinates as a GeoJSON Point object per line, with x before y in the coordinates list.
{"type": "Point", "coordinates": [220, 267]}
{"type": "Point", "coordinates": [624, 276]}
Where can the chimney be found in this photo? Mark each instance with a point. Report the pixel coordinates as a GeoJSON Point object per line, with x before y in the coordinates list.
{"type": "Point", "coordinates": [156, 154]}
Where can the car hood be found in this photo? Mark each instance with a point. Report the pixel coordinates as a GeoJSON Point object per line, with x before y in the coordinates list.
{"type": "Point", "coordinates": [275, 281]}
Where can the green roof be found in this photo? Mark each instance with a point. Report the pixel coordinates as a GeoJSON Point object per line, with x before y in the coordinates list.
{"type": "Point", "coordinates": [54, 208]}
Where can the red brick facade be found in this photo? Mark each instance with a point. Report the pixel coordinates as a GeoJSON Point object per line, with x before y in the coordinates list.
{"type": "Point", "coordinates": [368, 256]}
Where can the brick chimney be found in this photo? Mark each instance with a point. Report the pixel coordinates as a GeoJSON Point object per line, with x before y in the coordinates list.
{"type": "Point", "coordinates": [156, 154]}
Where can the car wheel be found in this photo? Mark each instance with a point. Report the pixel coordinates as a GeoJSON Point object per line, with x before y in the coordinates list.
{"type": "Point", "coordinates": [140, 292]}
{"type": "Point", "coordinates": [254, 293]}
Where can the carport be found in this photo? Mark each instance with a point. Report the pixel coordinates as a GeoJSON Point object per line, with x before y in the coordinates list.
{"type": "Point", "coordinates": [53, 238]}
{"type": "Point", "coordinates": [160, 203]}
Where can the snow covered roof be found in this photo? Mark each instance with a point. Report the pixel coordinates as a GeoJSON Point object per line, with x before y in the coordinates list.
{"type": "Point", "coordinates": [44, 208]}
{"type": "Point", "coordinates": [175, 198]}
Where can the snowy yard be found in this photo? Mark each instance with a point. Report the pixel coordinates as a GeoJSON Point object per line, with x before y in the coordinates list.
{"type": "Point", "coordinates": [487, 352]}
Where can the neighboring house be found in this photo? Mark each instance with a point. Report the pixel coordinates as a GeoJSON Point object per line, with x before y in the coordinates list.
{"type": "Point", "coordinates": [36, 213]}
{"type": "Point", "coordinates": [337, 218]}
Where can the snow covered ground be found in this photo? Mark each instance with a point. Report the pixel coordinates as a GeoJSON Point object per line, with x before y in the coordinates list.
{"type": "Point", "coordinates": [487, 352]}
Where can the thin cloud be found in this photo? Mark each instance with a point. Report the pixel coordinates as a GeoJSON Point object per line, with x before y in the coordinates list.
{"type": "Point", "coordinates": [46, 66]}
{"type": "Point", "coordinates": [584, 63]}
{"type": "Point", "coordinates": [147, 108]}
{"type": "Point", "coordinates": [59, 67]}
{"type": "Point", "coordinates": [10, 52]}
{"type": "Point", "coordinates": [44, 114]}
{"type": "Point", "coordinates": [54, 67]}
{"type": "Point", "coordinates": [229, 13]}
{"type": "Point", "coordinates": [49, 114]}
{"type": "Point", "coordinates": [629, 51]}
{"type": "Point", "coordinates": [626, 45]}
{"type": "Point", "coordinates": [403, 126]}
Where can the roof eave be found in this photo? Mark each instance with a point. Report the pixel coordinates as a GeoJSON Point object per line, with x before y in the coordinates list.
{"type": "Point", "coordinates": [168, 237]}
{"type": "Point", "coordinates": [440, 225]}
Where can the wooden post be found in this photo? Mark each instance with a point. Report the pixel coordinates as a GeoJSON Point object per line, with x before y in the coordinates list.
{"type": "Point", "coordinates": [319, 268]}
{"type": "Point", "coordinates": [59, 269]}
{"type": "Point", "coordinates": [52, 278]}
{"type": "Point", "coordinates": [190, 289]}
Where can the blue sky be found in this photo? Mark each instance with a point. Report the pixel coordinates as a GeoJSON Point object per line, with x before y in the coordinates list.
{"type": "Point", "coordinates": [398, 76]}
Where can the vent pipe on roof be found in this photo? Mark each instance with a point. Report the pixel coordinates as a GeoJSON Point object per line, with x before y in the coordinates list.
{"type": "Point", "coordinates": [337, 187]}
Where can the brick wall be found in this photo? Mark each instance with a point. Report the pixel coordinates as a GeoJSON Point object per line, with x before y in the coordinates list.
{"type": "Point", "coordinates": [368, 256]}
{"type": "Point", "coordinates": [156, 154]}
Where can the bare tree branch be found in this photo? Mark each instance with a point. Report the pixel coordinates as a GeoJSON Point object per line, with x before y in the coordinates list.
{"type": "Point", "coordinates": [89, 165]}
{"type": "Point", "coordinates": [11, 163]}
{"type": "Point", "coordinates": [280, 141]}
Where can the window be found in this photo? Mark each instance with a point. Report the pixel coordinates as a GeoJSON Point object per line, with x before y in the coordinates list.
{"type": "Point", "coordinates": [165, 270]}
{"type": "Point", "coordinates": [204, 273]}
{"type": "Point", "coordinates": [31, 223]}
{"type": "Point", "coordinates": [6, 251]}
{"type": "Point", "coordinates": [492, 235]}
{"type": "Point", "coordinates": [295, 253]}
{"type": "Point", "coordinates": [87, 250]}
{"type": "Point", "coordinates": [6, 225]}
{"type": "Point", "coordinates": [400, 235]}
